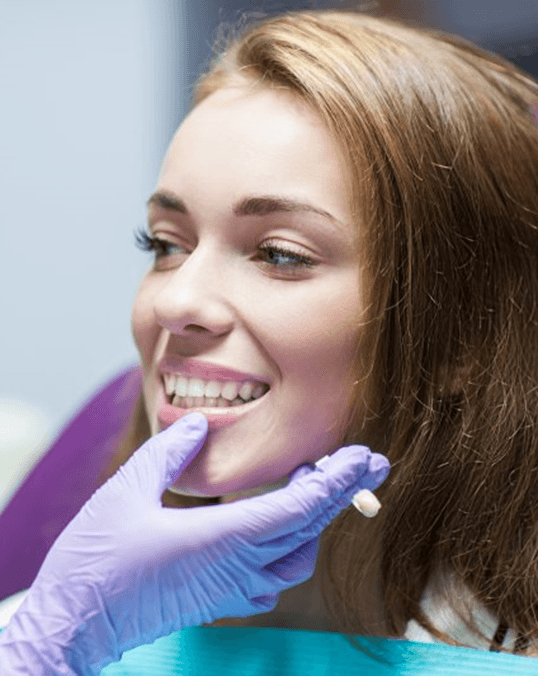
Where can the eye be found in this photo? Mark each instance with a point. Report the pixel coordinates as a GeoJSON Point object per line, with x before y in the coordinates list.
{"type": "Point", "coordinates": [281, 258]}
{"type": "Point", "coordinates": [160, 247]}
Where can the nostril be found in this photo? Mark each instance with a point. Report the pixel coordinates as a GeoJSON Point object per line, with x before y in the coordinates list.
{"type": "Point", "coordinates": [196, 328]}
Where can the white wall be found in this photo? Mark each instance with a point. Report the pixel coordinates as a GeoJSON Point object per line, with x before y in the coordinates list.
{"type": "Point", "coordinates": [90, 94]}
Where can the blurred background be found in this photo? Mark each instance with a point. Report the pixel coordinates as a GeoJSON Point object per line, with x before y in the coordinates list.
{"type": "Point", "coordinates": [92, 92]}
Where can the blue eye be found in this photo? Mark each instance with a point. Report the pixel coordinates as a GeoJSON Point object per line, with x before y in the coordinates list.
{"type": "Point", "coordinates": [285, 261]}
{"type": "Point", "coordinates": [279, 257]}
{"type": "Point", "coordinates": [146, 243]}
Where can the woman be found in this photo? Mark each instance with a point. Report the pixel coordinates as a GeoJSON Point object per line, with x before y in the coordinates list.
{"type": "Point", "coordinates": [346, 226]}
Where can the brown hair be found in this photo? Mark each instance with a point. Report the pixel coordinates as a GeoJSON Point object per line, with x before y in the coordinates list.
{"type": "Point", "coordinates": [442, 146]}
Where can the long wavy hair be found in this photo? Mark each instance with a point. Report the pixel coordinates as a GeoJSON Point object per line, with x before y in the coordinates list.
{"type": "Point", "coordinates": [442, 146]}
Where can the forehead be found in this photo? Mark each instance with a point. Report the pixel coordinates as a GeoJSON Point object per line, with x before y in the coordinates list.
{"type": "Point", "coordinates": [244, 140]}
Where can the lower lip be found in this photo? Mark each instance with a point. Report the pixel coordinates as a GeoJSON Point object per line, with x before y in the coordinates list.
{"type": "Point", "coordinates": [216, 417]}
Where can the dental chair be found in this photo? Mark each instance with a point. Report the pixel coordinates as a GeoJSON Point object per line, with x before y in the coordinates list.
{"type": "Point", "coordinates": [63, 479]}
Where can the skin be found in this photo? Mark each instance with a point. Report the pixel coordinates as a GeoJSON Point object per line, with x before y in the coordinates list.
{"type": "Point", "coordinates": [216, 297]}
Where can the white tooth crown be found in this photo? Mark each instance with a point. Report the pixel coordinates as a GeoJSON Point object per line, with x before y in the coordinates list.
{"type": "Point", "coordinates": [229, 390]}
{"type": "Point", "coordinates": [213, 389]}
{"type": "Point", "coordinates": [169, 383]}
{"type": "Point", "coordinates": [195, 387]}
{"type": "Point", "coordinates": [245, 391]}
{"type": "Point", "coordinates": [181, 386]}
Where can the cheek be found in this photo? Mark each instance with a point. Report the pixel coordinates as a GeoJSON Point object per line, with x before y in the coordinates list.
{"type": "Point", "coordinates": [315, 335]}
{"type": "Point", "coordinates": [144, 327]}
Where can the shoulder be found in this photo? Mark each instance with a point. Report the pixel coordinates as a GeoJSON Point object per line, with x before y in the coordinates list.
{"type": "Point", "coordinates": [10, 605]}
{"type": "Point", "coordinates": [452, 609]}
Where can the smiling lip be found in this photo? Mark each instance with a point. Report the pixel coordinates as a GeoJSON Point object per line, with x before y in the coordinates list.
{"type": "Point", "coordinates": [216, 417]}
{"type": "Point", "coordinates": [199, 369]}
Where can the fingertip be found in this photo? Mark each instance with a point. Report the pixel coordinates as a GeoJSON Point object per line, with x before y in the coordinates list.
{"type": "Point", "coordinates": [194, 422]}
{"type": "Point", "coordinates": [379, 466]}
{"type": "Point", "coordinates": [360, 456]}
{"type": "Point", "coordinates": [378, 461]}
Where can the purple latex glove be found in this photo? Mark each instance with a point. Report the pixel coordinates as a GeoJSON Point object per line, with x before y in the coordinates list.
{"type": "Point", "coordinates": [126, 570]}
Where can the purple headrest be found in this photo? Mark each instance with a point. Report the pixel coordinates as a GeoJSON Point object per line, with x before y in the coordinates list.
{"type": "Point", "coordinates": [62, 480]}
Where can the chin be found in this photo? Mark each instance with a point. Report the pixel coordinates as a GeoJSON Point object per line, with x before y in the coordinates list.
{"type": "Point", "coordinates": [203, 487]}
{"type": "Point", "coordinates": [206, 477]}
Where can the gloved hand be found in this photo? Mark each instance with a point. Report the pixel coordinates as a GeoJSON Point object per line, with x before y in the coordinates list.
{"type": "Point", "coordinates": [126, 570]}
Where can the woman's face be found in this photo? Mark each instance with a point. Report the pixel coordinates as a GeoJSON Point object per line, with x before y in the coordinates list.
{"type": "Point", "coordinates": [255, 291]}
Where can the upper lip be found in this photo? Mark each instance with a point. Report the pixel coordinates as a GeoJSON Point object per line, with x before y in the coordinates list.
{"type": "Point", "coordinates": [202, 369]}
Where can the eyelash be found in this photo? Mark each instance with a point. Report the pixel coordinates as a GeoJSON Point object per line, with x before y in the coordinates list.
{"type": "Point", "coordinates": [146, 243]}
{"type": "Point", "coordinates": [159, 246]}
{"type": "Point", "coordinates": [301, 261]}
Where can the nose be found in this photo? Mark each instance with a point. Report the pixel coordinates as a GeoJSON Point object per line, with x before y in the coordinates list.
{"type": "Point", "coordinates": [195, 300]}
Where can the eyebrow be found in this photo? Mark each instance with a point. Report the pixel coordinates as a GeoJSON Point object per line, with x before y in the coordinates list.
{"type": "Point", "coordinates": [261, 205]}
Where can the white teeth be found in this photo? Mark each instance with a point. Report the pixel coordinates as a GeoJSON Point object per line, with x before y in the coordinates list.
{"type": "Point", "coordinates": [229, 391]}
{"type": "Point", "coordinates": [181, 386]}
{"type": "Point", "coordinates": [212, 389]}
{"type": "Point", "coordinates": [210, 393]}
{"type": "Point", "coordinates": [169, 383]}
{"type": "Point", "coordinates": [257, 391]}
{"type": "Point", "coordinates": [199, 402]}
{"type": "Point", "coordinates": [205, 402]}
{"type": "Point", "coordinates": [195, 387]}
{"type": "Point", "coordinates": [246, 390]}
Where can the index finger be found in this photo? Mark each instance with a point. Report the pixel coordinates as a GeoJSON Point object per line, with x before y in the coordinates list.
{"type": "Point", "coordinates": [304, 500]}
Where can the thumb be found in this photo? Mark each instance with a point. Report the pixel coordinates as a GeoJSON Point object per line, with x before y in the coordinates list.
{"type": "Point", "coordinates": [159, 462]}
{"type": "Point", "coordinates": [182, 441]}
